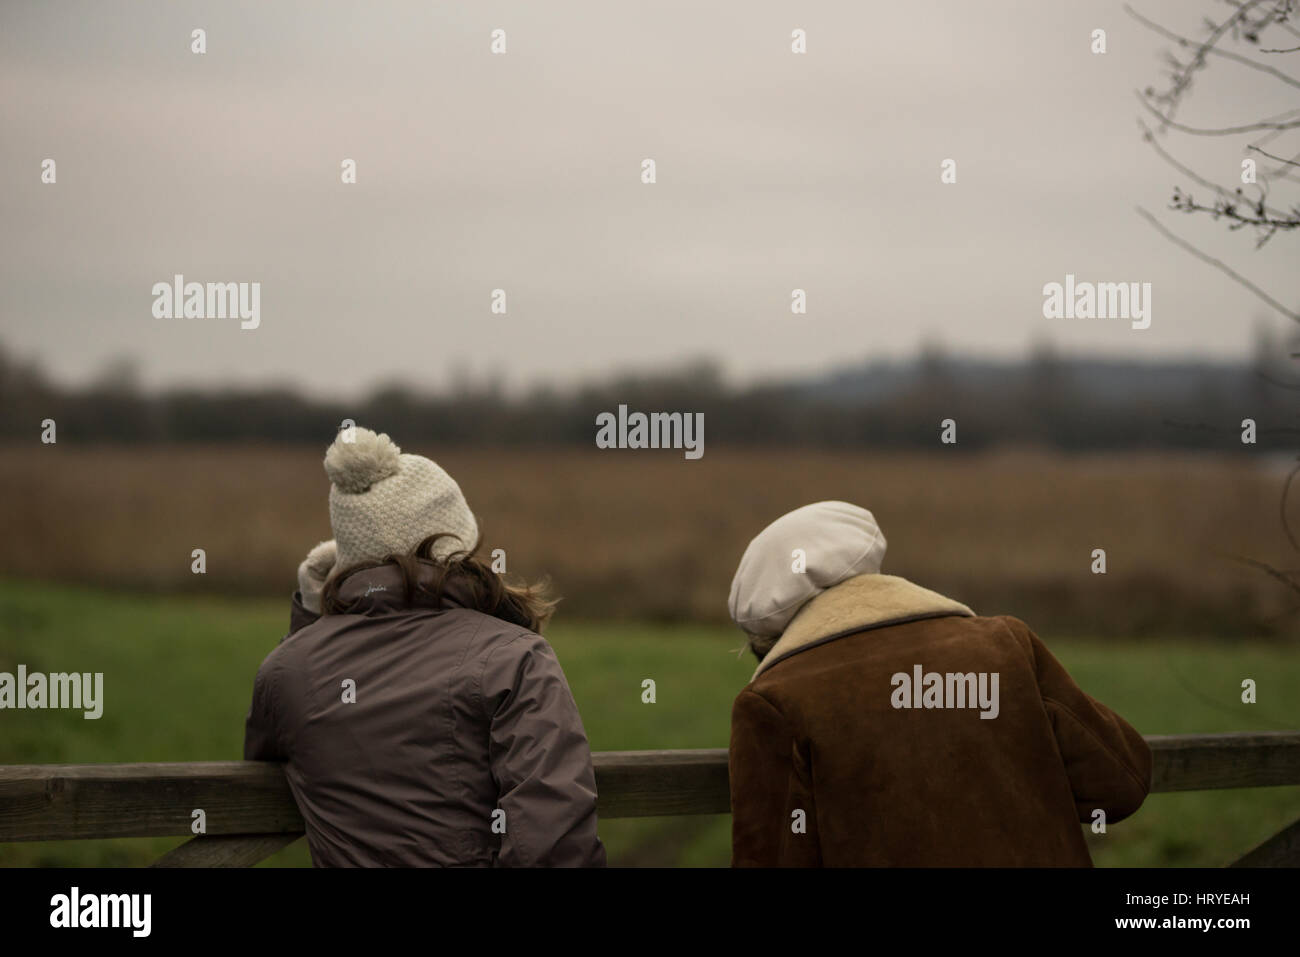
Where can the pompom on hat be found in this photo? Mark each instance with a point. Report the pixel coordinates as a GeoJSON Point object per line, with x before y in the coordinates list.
{"type": "Point", "coordinates": [385, 502]}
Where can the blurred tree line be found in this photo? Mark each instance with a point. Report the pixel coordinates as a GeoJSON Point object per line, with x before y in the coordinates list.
{"type": "Point", "coordinates": [1045, 400]}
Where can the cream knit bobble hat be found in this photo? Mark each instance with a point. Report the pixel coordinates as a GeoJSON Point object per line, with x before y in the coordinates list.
{"type": "Point", "coordinates": [384, 502]}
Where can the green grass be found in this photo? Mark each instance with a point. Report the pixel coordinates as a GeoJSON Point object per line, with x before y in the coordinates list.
{"type": "Point", "coordinates": [178, 674]}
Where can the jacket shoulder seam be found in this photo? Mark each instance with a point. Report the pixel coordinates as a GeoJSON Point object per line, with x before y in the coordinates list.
{"type": "Point", "coordinates": [520, 844]}
{"type": "Point", "coordinates": [476, 689]}
{"type": "Point", "coordinates": [487, 657]}
{"type": "Point", "coordinates": [767, 702]}
{"type": "Point", "coordinates": [1026, 644]}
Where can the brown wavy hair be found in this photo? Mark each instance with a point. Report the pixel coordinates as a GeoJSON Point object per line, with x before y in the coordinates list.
{"type": "Point", "coordinates": [529, 606]}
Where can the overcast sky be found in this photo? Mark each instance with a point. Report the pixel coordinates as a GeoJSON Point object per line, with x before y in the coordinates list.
{"type": "Point", "coordinates": [523, 172]}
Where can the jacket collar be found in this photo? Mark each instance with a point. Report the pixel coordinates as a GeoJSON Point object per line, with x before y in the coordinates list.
{"type": "Point", "coordinates": [380, 591]}
{"type": "Point", "coordinates": [860, 603]}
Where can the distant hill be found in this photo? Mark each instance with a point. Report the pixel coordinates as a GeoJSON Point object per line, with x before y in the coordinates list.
{"type": "Point", "coordinates": [1102, 380]}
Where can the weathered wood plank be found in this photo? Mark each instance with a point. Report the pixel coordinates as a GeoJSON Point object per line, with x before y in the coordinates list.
{"type": "Point", "coordinates": [1199, 762]}
{"type": "Point", "coordinates": [225, 850]}
{"type": "Point", "coordinates": [652, 783]}
{"type": "Point", "coordinates": [1280, 850]}
{"type": "Point", "coordinates": [70, 802]}
{"type": "Point", "coordinates": [47, 802]}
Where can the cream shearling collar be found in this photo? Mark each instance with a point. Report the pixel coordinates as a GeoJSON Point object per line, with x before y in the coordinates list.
{"type": "Point", "coordinates": [859, 603]}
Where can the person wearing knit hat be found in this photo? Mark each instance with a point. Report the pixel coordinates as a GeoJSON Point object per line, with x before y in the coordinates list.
{"type": "Point", "coordinates": [384, 502]}
{"type": "Point", "coordinates": [422, 718]}
{"type": "Point", "coordinates": [889, 725]}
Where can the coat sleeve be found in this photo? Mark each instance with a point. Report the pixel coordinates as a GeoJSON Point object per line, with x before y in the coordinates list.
{"type": "Point", "coordinates": [261, 734]}
{"type": "Point", "coordinates": [1107, 761]}
{"type": "Point", "coordinates": [769, 787]}
{"type": "Point", "coordinates": [540, 759]}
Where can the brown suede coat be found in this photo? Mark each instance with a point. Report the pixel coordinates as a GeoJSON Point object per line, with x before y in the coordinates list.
{"type": "Point", "coordinates": [817, 731]}
{"type": "Point", "coordinates": [457, 717]}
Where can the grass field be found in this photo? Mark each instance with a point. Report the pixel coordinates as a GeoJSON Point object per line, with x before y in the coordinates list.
{"type": "Point", "coordinates": [178, 674]}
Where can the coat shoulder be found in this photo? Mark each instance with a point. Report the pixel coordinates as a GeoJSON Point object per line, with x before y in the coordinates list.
{"type": "Point", "coordinates": [1014, 630]}
{"type": "Point", "coordinates": [494, 637]}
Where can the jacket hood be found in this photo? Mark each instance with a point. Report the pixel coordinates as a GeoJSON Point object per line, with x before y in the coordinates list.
{"type": "Point", "coordinates": [381, 591]}
{"type": "Point", "coordinates": [862, 602]}
{"type": "Point", "coordinates": [799, 556]}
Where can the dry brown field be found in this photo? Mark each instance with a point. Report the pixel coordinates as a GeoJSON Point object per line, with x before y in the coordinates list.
{"type": "Point", "coordinates": [652, 536]}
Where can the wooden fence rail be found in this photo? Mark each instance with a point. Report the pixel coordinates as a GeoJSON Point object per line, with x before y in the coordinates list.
{"type": "Point", "coordinates": [250, 812]}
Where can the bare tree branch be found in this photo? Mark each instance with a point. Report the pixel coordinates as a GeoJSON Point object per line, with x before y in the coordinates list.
{"type": "Point", "coordinates": [1286, 491]}
{"type": "Point", "coordinates": [1288, 162]}
{"type": "Point", "coordinates": [1227, 209]}
{"type": "Point", "coordinates": [1266, 217]}
{"type": "Point", "coordinates": [1294, 316]}
{"type": "Point", "coordinates": [1270, 571]}
{"type": "Point", "coordinates": [1209, 47]}
{"type": "Point", "coordinates": [1222, 131]}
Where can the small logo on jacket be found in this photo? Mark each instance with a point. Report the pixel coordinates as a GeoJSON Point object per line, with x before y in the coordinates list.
{"type": "Point", "coordinates": [951, 690]}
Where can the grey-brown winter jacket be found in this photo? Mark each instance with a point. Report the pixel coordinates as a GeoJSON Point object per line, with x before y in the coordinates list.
{"type": "Point", "coordinates": [406, 730]}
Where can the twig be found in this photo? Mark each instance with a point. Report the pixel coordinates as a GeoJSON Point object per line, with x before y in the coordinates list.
{"type": "Point", "coordinates": [1209, 47]}
{"type": "Point", "coordinates": [1286, 491]}
{"type": "Point", "coordinates": [1288, 162]}
{"type": "Point", "coordinates": [1268, 570]}
{"type": "Point", "coordinates": [1294, 316]}
{"type": "Point", "coordinates": [1224, 131]}
{"type": "Point", "coordinates": [1268, 216]}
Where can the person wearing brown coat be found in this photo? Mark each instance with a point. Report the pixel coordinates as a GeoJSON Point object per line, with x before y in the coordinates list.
{"type": "Point", "coordinates": [888, 725]}
{"type": "Point", "coordinates": [422, 719]}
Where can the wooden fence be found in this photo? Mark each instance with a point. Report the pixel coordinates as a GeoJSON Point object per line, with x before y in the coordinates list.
{"type": "Point", "coordinates": [250, 812]}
